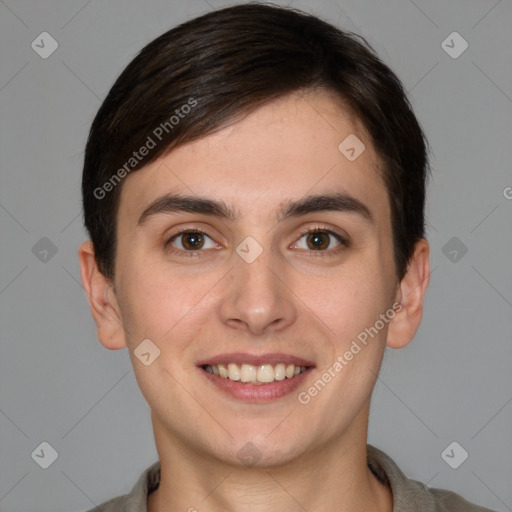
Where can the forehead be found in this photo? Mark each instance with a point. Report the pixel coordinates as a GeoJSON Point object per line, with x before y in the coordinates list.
{"type": "Point", "coordinates": [297, 145]}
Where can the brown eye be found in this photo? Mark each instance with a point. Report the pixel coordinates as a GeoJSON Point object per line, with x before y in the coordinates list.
{"type": "Point", "coordinates": [318, 241]}
{"type": "Point", "coordinates": [191, 241]}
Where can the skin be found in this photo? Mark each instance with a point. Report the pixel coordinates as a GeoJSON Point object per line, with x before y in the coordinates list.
{"type": "Point", "coordinates": [293, 299]}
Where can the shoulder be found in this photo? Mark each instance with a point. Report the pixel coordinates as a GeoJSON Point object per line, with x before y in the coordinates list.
{"type": "Point", "coordinates": [447, 501]}
{"type": "Point", "coordinates": [136, 499]}
{"type": "Point", "coordinates": [410, 495]}
{"type": "Point", "coordinates": [118, 504]}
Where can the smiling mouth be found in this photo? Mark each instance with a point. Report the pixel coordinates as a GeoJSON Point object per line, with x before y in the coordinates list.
{"type": "Point", "coordinates": [255, 374]}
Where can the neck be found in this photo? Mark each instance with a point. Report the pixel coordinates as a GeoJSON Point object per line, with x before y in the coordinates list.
{"type": "Point", "coordinates": [331, 477]}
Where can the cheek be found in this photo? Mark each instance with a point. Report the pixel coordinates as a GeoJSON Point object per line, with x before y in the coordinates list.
{"type": "Point", "coordinates": [162, 305]}
{"type": "Point", "coordinates": [166, 309]}
{"type": "Point", "coordinates": [349, 300]}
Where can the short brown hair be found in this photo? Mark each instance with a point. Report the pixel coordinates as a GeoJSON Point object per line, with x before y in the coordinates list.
{"type": "Point", "coordinates": [203, 74]}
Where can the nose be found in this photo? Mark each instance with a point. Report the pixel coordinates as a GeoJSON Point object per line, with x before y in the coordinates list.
{"type": "Point", "coordinates": [257, 297]}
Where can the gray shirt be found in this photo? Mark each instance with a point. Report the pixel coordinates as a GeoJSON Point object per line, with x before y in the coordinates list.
{"type": "Point", "coordinates": [408, 495]}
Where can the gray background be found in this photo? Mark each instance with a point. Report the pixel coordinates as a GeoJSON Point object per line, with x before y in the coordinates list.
{"type": "Point", "coordinates": [59, 385]}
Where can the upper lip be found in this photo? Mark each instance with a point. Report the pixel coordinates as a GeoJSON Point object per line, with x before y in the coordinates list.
{"type": "Point", "coordinates": [255, 360]}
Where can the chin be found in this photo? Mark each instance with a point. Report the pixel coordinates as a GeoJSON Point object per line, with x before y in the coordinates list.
{"type": "Point", "coordinates": [261, 450]}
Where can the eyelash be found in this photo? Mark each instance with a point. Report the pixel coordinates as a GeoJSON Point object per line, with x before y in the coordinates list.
{"type": "Point", "coordinates": [344, 244]}
{"type": "Point", "coordinates": [322, 253]}
{"type": "Point", "coordinates": [181, 252]}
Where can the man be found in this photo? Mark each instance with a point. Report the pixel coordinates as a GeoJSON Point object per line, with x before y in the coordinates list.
{"type": "Point", "coordinates": [254, 190]}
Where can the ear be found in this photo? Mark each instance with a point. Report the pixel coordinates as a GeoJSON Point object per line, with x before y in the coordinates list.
{"type": "Point", "coordinates": [102, 299]}
{"type": "Point", "coordinates": [410, 295]}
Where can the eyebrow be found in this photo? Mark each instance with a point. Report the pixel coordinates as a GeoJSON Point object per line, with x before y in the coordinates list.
{"type": "Point", "coordinates": [340, 202]}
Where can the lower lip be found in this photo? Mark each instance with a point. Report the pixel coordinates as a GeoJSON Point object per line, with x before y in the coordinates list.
{"type": "Point", "coordinates": [257, 393]}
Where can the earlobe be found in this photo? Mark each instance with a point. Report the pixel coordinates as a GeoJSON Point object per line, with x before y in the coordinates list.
{"type": "Point", "coordinates": [411, 296]}
{"type": "Point", "coordinates": [103, 303]}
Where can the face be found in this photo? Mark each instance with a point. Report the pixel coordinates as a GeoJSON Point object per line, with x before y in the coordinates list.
{"type": "Point", "coordinates": [278, 262]}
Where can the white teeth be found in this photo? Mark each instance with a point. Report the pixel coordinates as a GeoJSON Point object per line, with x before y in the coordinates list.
{"type": "Point", "coordinates": [279, 372]}
{"type": "Point", "coordinates": [233, 372]}
{"type": "Point", "coordinates": [223, 372]}
{"type": "Point", "coordinates": [250, 374]}
{"type": "Point", "coordinates": [266, 373]}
